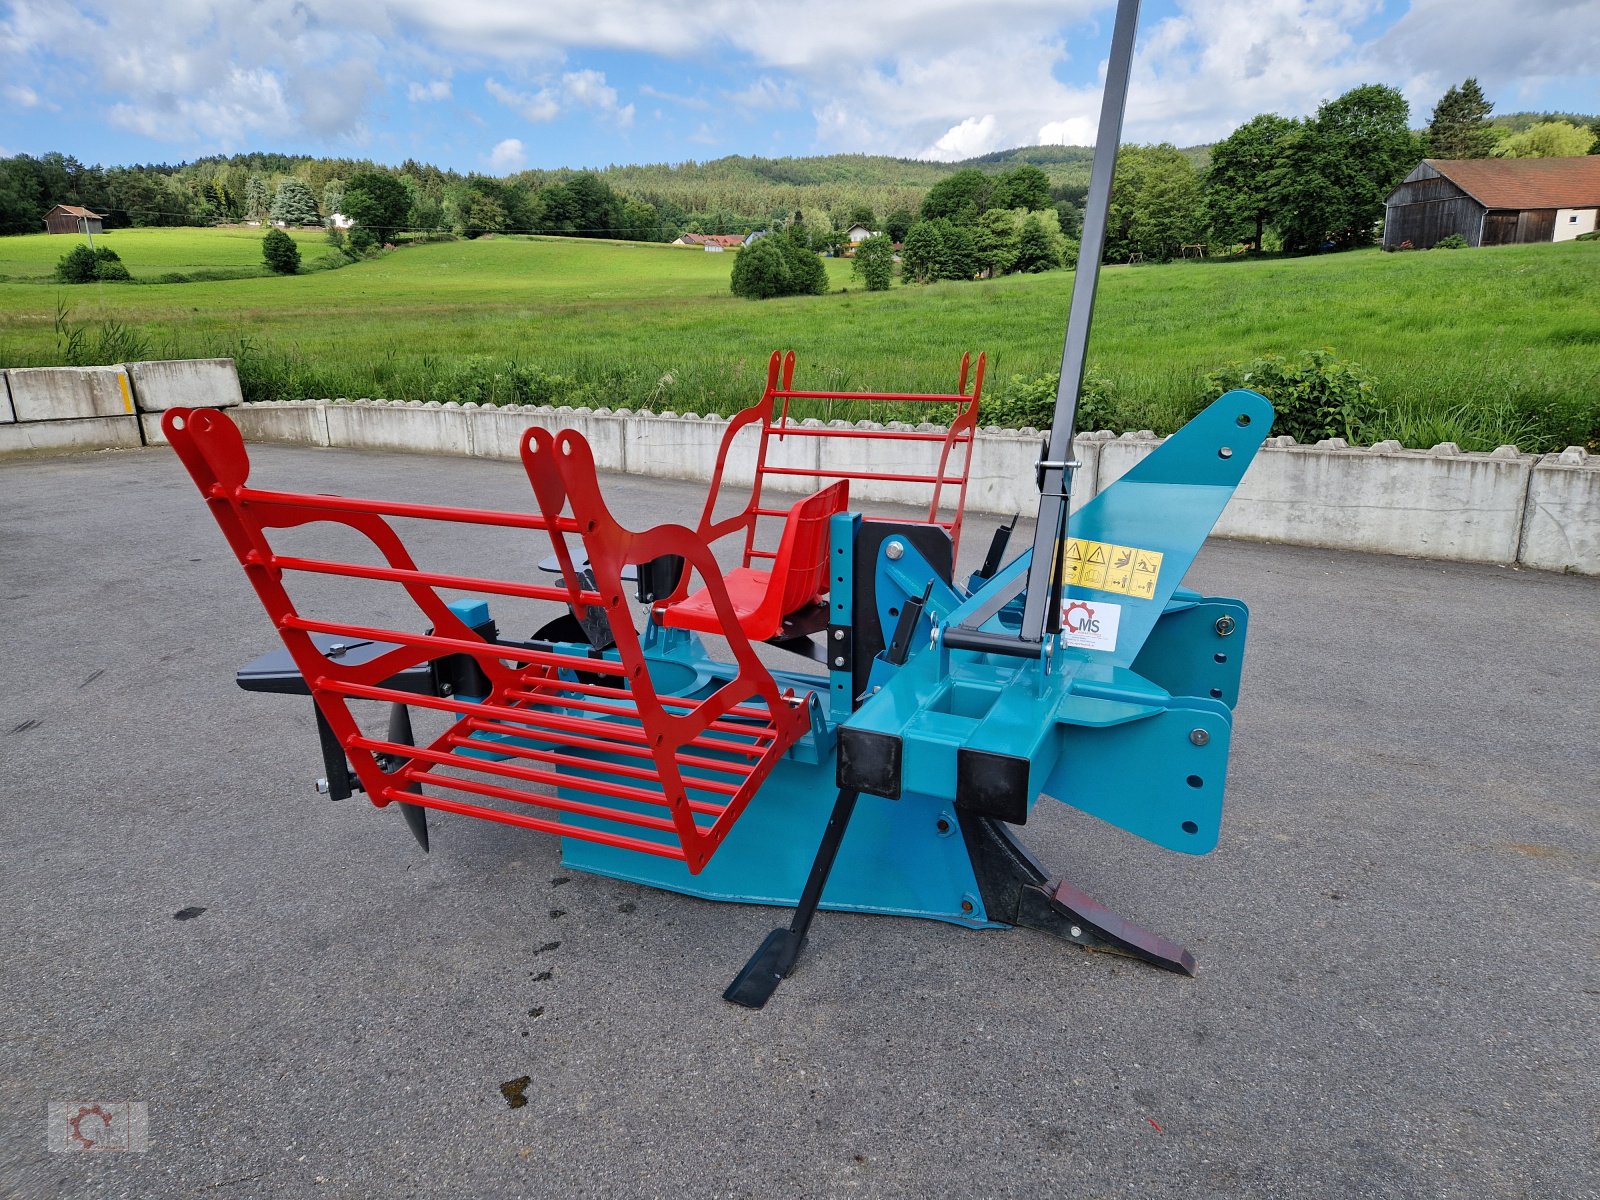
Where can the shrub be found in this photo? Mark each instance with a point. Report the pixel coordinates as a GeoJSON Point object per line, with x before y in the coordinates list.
{"type": "Point", "coordinates": [280, 253]}
{"type": "Point", "coordinates": [1593, 236]}
{"type": "Point", "coordinates": [1454, 242]}
{"type": "Point", "coordinates": [362, 240]}
{"type": "Point", "coordinates": [777, 266]}
{"type": "Point", "coordinates": [874, 263]}
{"type": "Point", "coordinates": [1032, 402]}
{"type": "Point", "coordinates": [81, 264]}
{"type": "Point", "coordinates": [1316, 396]}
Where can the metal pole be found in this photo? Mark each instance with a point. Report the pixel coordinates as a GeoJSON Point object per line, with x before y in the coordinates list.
{"type": "Point", "coordinates": [86, 233]}
{"type": "Point", "coordinates": [1044, 580]}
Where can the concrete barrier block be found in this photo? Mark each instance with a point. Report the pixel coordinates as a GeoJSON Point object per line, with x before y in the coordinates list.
{"type": "Point", "coordinates": [1467, 507]}
{"type": "Point", "coordinates": [185, 383]}
{"type": "Point", "coordinates": [408, 428]}
{"type": "Point", "coordinates": [7, 413]}
{"type": "Point", "coordinates": [301, 422]}
{"type": "Point", "coordinates": [69, 393]}
{"type": "Point", "coordinates": [1561, 529]}
{"type": "Point", "coordinates": [497, 431]}
{"type": "Point", "coordinates": [69, 437]}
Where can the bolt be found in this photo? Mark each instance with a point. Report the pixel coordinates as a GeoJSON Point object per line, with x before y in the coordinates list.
{"type": "Point", "coordinates": [839, 661]}
{"type": "Point", "coordinates": [966, 906]}
{"type": "Point", "coordinates": [1199, 737]}
{"type": "Point", "coordinates": [1076, 931]}
{"type": "Point", "coordinates": [894, 550]}
{"type": "Point", "coordinates": [323, 787]}
{"type": "Point", "coordinates": [1226, 625]}
{"type": "Point", "coordinates": [838, 635]}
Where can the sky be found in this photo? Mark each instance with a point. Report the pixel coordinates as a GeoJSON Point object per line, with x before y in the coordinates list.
{"type": "Point", "coordinates": [500, 85]}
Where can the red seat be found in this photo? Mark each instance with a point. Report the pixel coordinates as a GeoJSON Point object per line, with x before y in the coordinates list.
{"type": "Point", "coordinates": [762, 599]}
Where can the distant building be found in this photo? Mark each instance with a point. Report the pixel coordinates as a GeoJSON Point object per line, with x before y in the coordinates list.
{"type": "Point", "coordinates": [1494, 201]}
{"type": "Point", "coordinates": [711, 241]}
{"type": "Point", "coordinates": [858, 234]}
{"type": "Point", "coordinates": [340, 221]}
{"type": "Point", "coordinates": [69, 218]}
{"type": "Point", "coordinates": [752, 239]}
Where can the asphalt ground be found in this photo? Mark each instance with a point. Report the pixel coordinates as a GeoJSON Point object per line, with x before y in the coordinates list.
{"type": "Point", "coordinates": [1398, 971]}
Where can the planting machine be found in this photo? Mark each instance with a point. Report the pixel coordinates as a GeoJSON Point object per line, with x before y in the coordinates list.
{"type": "Point", "coordinates": [919, 714]}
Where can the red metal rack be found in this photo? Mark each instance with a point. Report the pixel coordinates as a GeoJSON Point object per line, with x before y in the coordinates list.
{"type": "Point", "coordinates": [772, 414]}
{"type": "Point", "coordinates": [567, 743]}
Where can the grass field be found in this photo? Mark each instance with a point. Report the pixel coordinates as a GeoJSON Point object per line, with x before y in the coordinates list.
{"type": "Point", "coordinates": [1476, 346]}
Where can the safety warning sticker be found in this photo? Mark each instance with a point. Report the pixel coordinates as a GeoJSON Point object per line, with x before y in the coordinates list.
{"type": "Point", "coordinates": [1090, 626]}
{"type": "Point", "coordinates": [1125, 570]}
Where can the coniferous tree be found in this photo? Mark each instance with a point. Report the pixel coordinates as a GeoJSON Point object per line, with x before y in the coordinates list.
{"type": "Point", "coordinates": [1460, 126]}
{"type": "Point", "coordinates": [293, 205]}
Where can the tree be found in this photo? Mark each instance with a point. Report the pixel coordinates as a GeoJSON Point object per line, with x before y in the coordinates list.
{"type": "Point", "coordinates": [279, 251]}
{"type": "Point", "coordinates": [1594, 128]}
{"type": "Point", "coordinates": [1036, 250]}
{"type": "Point", "coordinates": [333, 197]}
{"type": "Point", "coordinates": [898, 223]}
{"type": "Point", "coordinates": [919, 257]}
{"type": "Point", "coordinates": [1022, 187]}
{"type": "Point", "coordinates": [640, 222]}
{"type": "Point", "coordinates": [874, 262]}
{"type": "Point", "coordinates": [293, 205]}
{"type": "Point", "coordinates": [1341, 165]}
{"type": "Point", "coordinates": [862, 215]}
{"type": "Point", "coordinates": [1156, 204]}
{"type": "Point", "coordinates": [255, 198]}
{"type": "Point", "coordinates": [378, 203]}
{"type": "Point", "coordinates": [1547, 139]}
{"type": "Point", "coordinates": [1460, 126]}
{"type": "Point", "coordinates": [952, 195]}
{"type": "Point", "coordinates": [1243, 184]}
{"type": "Point", "coordinates": [807, 275]}
{"type": "Point", "coordinates": [996, 241]}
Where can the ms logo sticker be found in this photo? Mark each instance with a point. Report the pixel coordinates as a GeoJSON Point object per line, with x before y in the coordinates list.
{"type": "Point", "coordinates": [1090, 626]}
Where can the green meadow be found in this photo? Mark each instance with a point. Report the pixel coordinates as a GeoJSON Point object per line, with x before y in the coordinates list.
{"type": "Point", "coordinates": [1480, 347]}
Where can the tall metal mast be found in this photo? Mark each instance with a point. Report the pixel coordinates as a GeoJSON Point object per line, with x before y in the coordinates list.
{"type": "Point", "coordinates": [1044, 572]}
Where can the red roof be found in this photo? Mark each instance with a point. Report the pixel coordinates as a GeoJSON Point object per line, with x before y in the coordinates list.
{"type": "Point", "coordinates": [713, 239]}
{"type": "Point", "coordinates": [1523, 183]}
{"type": "Point", "coordinates": [72, 210]}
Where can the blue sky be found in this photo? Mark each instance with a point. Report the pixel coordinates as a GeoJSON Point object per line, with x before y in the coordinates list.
{"type": "Point", "coordinates": [491, 85]}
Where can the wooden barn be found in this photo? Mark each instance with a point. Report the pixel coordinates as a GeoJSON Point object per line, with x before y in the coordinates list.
{"type": "Point", "coordinates": [1494, 201]}
{"type": "Point", "coordinates": [69, 218]}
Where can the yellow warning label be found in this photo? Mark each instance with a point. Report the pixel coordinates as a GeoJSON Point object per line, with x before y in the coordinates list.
{"type": "Point", "coordinates": [1107, 567]}
{"type": "Point", "coordinates": [127, 397]}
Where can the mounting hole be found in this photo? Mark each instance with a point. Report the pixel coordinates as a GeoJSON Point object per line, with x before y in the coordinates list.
{"type": "Point", "coordinates": [1190, 827]}
{"type": "Point", "coordinates": [1221, 658]}
{"type": "Point", "coordinates": [1225, 452]}
{"type": "Point", "coordinates": [177, 422]}
{"type": "Point", "coordinates": [566, 448]}
{"type": "Point", "coordinates": [1195, 781]}
{"type": "Point", "coordinates": [1216, 693]}
{"type": "Point", "coordinates": [894, 612]}
{"type": "Point", "coordinates": [967, 906]}
{"type": "Point", "coordinates": [1242, 420]}
{"type": "Point", "coordinates": [942, 825]}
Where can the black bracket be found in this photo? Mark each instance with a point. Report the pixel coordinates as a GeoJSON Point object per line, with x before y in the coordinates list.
{"type": "Point", "coordinates": [1016, 890]}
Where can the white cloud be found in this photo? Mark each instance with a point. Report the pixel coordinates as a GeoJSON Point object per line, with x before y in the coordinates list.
{"type": "Point", "coordinates": [508, 156]}
{"type": "Point", "coordinates": [537, 107]}
{"type": "Point", "coordinates": [1074, 131]}
{"type": "Point", "coordinates": [974, 136]}
{"type": "Point", "coordinates": [764, 94]}
{"type": "Point", "coordinates": [22, 96]}
{"type": "Point", "coordinates": [437, 89]}
{"type": "Point", "coordinates": [580, 89]}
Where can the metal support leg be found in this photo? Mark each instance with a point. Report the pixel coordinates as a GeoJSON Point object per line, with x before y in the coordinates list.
{"type": "Point", "coordinates": [776, 958]}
